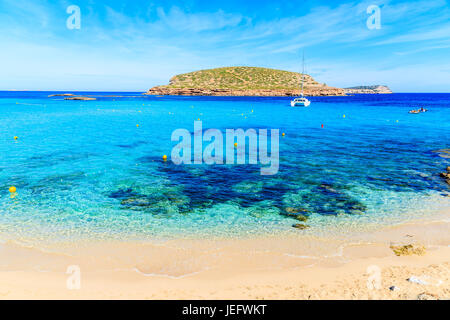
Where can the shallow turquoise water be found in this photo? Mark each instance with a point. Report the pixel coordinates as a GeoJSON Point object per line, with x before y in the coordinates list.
{"type": "Point", "coordinates": [83, 169]}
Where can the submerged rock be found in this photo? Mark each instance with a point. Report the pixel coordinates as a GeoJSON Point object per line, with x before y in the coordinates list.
{"type": "Point", "coordinates": [154, 203]}
{"type": "Point", "coordinates": [301, 217]}
{"type": "Point", "coordinates": [296, 213]}
{"type": "Point", "coordinates": [261, 209]}
{"type": "Point", "coordinates": [123, 193]}
{"type": "Point", "coordinates": [136, 202]}
{"type": "Point", "coordinates": [248, 186]}
{"type": "Point", "coordinates": [408, 250]}
{"type": "Point", "coordinates": [329, 188]}
{"type": "Point", "coordinates": [291, 210]}
{"type": "Point", "coordinates": [300, 226]}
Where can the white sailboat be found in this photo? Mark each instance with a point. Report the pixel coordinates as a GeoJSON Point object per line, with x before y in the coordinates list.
{"type": "Point", "coordinates": [301, 101]}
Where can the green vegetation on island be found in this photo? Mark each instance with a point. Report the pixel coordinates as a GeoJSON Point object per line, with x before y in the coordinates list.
{"type": "Point", "coordinates": [244, 81]}
{"type": "Point", "coordinates": [241, 78]}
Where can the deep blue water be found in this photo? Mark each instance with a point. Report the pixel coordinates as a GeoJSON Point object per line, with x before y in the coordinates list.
{"type": "Point", "coordinates": [84, 168]}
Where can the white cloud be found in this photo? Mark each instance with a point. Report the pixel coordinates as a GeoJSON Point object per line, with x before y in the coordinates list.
{"type": "Point", "coordinates": [197, 22]}
{"type": "Point", "coordinates": [439, 32]}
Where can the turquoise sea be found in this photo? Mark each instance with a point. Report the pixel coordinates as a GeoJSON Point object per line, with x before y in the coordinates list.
{"type": "Point", "coordinates": [84, 169]}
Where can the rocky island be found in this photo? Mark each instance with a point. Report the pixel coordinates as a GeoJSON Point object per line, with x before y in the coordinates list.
{"type": "Point", "coordinates": [376, 89]}
{"type": "Point", "coordinates": [243, 81]}
{"type": "Point", "coordinates": [61, 95]}
{"type": "Point", "coordinates": [80, 98]}
{"type": "Point", "coordinates": [71, 96]}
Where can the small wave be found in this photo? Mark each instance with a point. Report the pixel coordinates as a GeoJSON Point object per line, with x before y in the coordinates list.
{"type": "Point", "coordinates": [30, 104]}
{"type": "Point", "coordinates": [168, 275]}
{"type": "Point", "coordinates": [300, 256]}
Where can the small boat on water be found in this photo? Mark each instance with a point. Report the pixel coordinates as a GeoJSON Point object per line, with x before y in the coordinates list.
{"type": "Point", "coordinates": [420, 110]}
{"type": "Point", "coordinates": [301, 101]}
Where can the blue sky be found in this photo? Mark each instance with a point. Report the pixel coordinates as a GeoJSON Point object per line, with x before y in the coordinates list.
{"type": "Point", "coordinates": [134, 45]}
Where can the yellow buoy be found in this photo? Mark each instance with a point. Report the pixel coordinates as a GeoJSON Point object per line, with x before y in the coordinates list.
{"type": "Point", "coordinates": [283, 134]}
{"type": "Point", "coordinates": [12, 189]}
{"type": "Point", "coordinates": [235, 144]}
{"type": "Point", "coordinates": [344, 115]}
{"type": "Point", "coordinates": [252, 110]}
{"type": "Point", "coordinates": [137, 126]}
{"type": "Point", "coordinates": [198, 119]}
{"type": "Point", "coordinates": [164, 157]}
{"type": "Point", "coordinates": [16, 137]}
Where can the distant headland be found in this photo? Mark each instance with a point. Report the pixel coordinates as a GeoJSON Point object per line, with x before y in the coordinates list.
{"type": "Point", "coordinates": [246, 81]}
{"type": "Point", "coordinates": [377, 89]}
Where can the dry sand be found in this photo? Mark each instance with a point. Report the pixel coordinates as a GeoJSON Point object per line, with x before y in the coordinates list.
{"type": "Point", "coordinates": [303, 266]}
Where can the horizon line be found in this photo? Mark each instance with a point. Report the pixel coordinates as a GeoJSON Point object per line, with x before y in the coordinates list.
{"type": "Point", "coordinates": [115, 91]}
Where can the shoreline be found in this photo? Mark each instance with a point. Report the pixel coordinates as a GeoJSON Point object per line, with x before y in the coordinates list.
{"type": "Point", "coordinates": [322, 92]}
{"type": "Point", "coordinates": [342, 227]}
{"type": "Point", "coordinates": [258, 268]}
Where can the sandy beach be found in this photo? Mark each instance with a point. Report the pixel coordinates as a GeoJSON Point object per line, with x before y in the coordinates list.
{"type": "Point", "coordinates": [291, 267]}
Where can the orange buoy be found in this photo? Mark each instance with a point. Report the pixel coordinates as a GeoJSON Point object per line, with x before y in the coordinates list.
{"type": "Point", "coordinates": [12, 189]}
{"type": "Point", "coordinates": [283, 134]}
{"type": "Point", "coordinates": [235, 144]}
{"type": "Point", "coordinates": [16, 137]}
{"type": "Point", "coordinates": [164, 157]}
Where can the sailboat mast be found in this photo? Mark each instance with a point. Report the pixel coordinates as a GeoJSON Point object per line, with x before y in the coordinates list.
{"type": "Point", "coordinates": [303, 71]}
